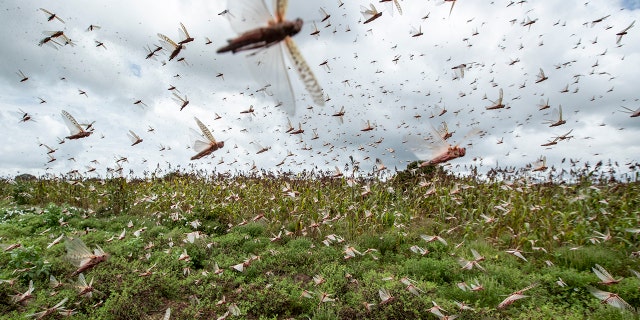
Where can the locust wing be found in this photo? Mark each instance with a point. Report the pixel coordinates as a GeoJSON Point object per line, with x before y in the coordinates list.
{"type": "Point", "coordinates": [184, 34]}
{"type": "Point", "coordinates": [205, 131]}
{"type": "Point", "coordinates": [269, 69]}
{"type": "Point", "coordinates": [198, 141]}
{"type": "Point", "coordinates": [77, 251]}
{"type": "Point", "coordinates": [71, 123]}
{"type": "Point", "coordinates": [367, 13]}
{"type": "Point", "coordinates": [281, 9]}
{"type": "Point", "coordinates": [167, 43]}
{"type": "Point", "coordinates": [305, 73]}
{"type": "Point", "coordinates": [250, 14]}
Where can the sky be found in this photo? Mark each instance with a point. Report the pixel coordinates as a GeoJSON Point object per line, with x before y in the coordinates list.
{"type": "Point", "coordinates": [377, 71]}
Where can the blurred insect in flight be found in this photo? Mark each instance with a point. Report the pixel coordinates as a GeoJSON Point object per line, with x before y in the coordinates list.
{"type": "Point", "coordinates": [453, 3]}
{"type": "Point", "coordinates": [515, 296]}
{"type": "Point", "coordinates": [183, 102]}
{"type": "Point", "coordinates": [634, 113]}
{"type": "Point", "coordinates": [76, 130]}
{"type": "Point", "coordinates": [416, 32]}
{"type": "Point", "coordinates": [439, 150]}
{"type": "Point", "coordinates": [443, 131]}
{"type": "Point", "coordinates": [370, 14]}
{"type": "Point", "coordinates": [610, 299]}
{"type": "Point", "coordinates": [543, 105]}
{"type": "Point", "coordinates": [80, 255]}
{"type": "Point", "coordinates": [184, 34]}
{"type": "Point", "coordinates": [49, 311]}
{"type": "Point", "coordinates": [540, 165]}
{"type": "Point", "coordinates": [541, 76]}
{"type": "Point", "coordinates": [557, 113]}
{"type": "Point", "coordinates": [23, 78]}
{"type": "Point", "coordinates": [270, 67]}
{"type": "Point", "coordinates": [135, 139]}
{"type": "Point", "coordinates": [325, 15]}
{"type": "Point", "coordinates": [171, 46]}
{"type": "Point", "coordinates": [25, 116]}
{"type": "Point", "coordinates": [85, 289]}
{"type": "Point", "coordinates": [51, 15]}
{"type": "Point", "coordinates": [392, 4]}
{"type": "Point", "coordinates": [498, 103]}
{"type": "Point", "coordinates": [202, 147]}
{"type": "Point", "coordinates": [623, 32]}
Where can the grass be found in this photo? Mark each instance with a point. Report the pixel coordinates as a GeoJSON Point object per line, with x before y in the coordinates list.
{"type": "Point", "coordinates": [289, 230]}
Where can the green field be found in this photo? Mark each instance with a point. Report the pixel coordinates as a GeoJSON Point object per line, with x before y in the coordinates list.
{"type": "Point", "coordinates": [322, 248]}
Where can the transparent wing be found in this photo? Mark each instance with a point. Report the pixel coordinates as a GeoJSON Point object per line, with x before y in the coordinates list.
{"type": "Point", "coordinates": [442, 129]}
{"type": "Point", "coordinates": [249, 14]}
{"type": "Point", "coordinates": [281, 9]}
{"type": "Point", "coordinates": [415, 31]}
{"type": "Point", "coordinates": [133, 136]}
{"type": "Point", "coordinates": [305, 73]}
{"type": "Point", "coordinates": [398, 6]}
{"type": "Point", "coordinates": [368, 13]}
{"type": "Point", "coordinates": [557, 114]}
{"type": "Point", "coordinates": [178, 99]}
{"type": "Point", "coordinates": [543, 103]}
{"type": "Point", "coordinates": [599, 293]}
{"type": "Point", "coordinates": [200, 146]}
{"type": "Point", "coordinates": [82, 282]}
{"type": "Point", "coordinates": [560, 112]}
{"type": "Point", "coordinates": [258, 147]}
{"type": "Point", "coordinates": [98, 251]}
{"type": "Point", "coordinates": [71, 123]}
{"type": "Point", "coordinates": [630, 26]}
{"type": "Point", "coordinates": [167, 43]}
{"type": "Point", "coordinates": [184, 34]}
{"type": "Point", "coordinates": [77, 251]}
{"type": "Point", "coordinates": [205, 131]}
{"type": "Point", "coordinates": [391, 4]}
{"type": "Point", "coordinates": [384, 294]}
{"type": "Point", "coordinates": [424, 147]}
{"type": "Point", "coordinates": [53, 282]}
{"type": "Point", "coordinates": [541, 162]}
{"type": "Point", "coordinates": [46, 11]}
{"type": "Point", "coordinates": [268, 68]}
{"type": "Point", "coordinates": [473, 132]}
{"type": "Point", "coordinates": [59, 304]}
{"type": "Point", "coordinates": [198, 141]}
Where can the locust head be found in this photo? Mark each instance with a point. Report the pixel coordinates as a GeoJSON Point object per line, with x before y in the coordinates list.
{"type": "Point", "coordinates": [294, 27]}
{"type": "Point", "coordinates": [458, 152]}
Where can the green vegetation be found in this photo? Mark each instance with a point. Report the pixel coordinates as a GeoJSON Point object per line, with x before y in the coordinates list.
{"type": "Point", "coordinates": [321, 248]}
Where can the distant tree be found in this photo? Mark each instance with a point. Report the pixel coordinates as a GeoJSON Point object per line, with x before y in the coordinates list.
{"type": "Point", "coordinates": [414, 173]}
{"type": "Point", "coordinates": [25, 177]}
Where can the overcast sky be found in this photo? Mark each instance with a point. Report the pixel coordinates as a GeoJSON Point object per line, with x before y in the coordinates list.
{"type": "Point", "coordinates": [377, 71]}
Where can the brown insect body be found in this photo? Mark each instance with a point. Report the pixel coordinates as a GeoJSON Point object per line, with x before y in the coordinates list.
{"type": "Point", "coordinates": [207, 147]}
{"type": "Point", "coordinates": [79, 135]}
{"type": "Point", "coordinates": [171, 44]}
{"type": "Point", "coordinates": [92, 262]}
{"type": "Point", "coordinates": [375, 16]}
{"type": "Point", "coordinates": [263, 37]}
{"type": "Point", "coordinates": [209, 151]}
{"type": "Point", "coordinates": [452, 152]}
